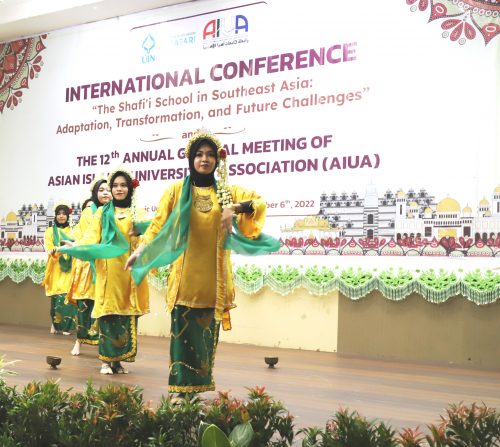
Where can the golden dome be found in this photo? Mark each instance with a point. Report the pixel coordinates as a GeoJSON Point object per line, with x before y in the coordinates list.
{"type": "Point", "coordinates": [448, 205]}
{"type": "Point", "coordinates": [497, 189]}
{"type": "Point", "coordinates": [401, 195]}
{"type": "Point", "coordinates": [428, 210]}
{"type": "Point", "coordinates": [11, 217]}
{"type": "Point", "coordinates": [413, 203]}
{"type": "Point", "coordinates": [484, 202]}
{"type": "Point", "coordinates": [467, 209]}
{"type": "Point", "coordinates": [487, 213]}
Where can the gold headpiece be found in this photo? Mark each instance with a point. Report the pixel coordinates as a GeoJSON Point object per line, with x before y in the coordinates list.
{"type": "Point", "coordinates": [97, 178]}
{"type": "Point", "coordinates": [203, 134]}
{"type": "Point", "coordinates": [119, 169]}
{"type": "Point", "coordinates": [223, 191]}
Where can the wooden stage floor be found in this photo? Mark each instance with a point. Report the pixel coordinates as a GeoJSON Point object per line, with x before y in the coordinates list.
{"type": "Point", "coordinates": [312, 385]}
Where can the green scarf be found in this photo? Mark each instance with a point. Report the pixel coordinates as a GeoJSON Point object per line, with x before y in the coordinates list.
{"type": "Point", "coordinates": [64, 261]}
{"type": "Point", "coordinates": [172, 239]}
{"type": "Point", "coordinates": [113, 243]}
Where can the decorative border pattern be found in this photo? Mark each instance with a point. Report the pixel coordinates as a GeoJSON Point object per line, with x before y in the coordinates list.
{"type": "Point", "coordinates": [20, 62]}
{"type": "Point", "coordinates": [446, 246]}
{"type": "Point", "coordinates": [462, 20]}
{"type": "Point", "coordinates": [435, 286]}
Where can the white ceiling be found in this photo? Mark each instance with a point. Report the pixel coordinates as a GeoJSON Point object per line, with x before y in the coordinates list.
{"type": "Point", "coordinates": [24, 18]}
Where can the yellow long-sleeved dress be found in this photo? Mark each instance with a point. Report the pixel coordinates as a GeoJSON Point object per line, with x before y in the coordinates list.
{"type": "Point", "coordinates": [56, 282]}
{"type": "Point", "coordinates": [81, 286]}
{"type": "Point", "coordinates": [81, 290]}
{"type": "Point", "coordinates": [117, 300]}
{"type": "Point", "coordinates": [200, 285]}
{"type": "Point", "coordinates": [115, 292]}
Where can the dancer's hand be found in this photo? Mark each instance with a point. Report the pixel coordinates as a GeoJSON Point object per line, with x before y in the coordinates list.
{"type": "Point", "coordinates": [133, 231]}
{"type": "Point", "coordinates": [131, 260]}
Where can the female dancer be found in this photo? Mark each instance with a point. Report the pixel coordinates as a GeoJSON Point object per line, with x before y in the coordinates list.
{"type": "Point", "coordinates": [81, 291]}
{"type": "Point", "coordinates": [192, 228]}
{"type": "Point", "coordinates": [118, 301]}
{"type": "Point", "coordinates": [58, 272]}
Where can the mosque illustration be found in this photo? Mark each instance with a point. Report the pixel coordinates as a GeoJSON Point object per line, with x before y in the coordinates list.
{"type": "Point", "coordinates": [396, 224]}
{"type": "Point", "coordinates": [24, 230]}
{"type": "Point", "coordinates": [400, 223]}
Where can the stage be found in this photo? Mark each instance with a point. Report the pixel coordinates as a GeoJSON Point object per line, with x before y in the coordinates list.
{"type": "Point", "coordinates": [311, 385]}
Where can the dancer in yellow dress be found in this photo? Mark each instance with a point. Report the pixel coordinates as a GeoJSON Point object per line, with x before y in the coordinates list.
{"type": "Point", "coordinates": [193, 230]}
{"type": "Point", "coordinates": [81, 291]}
{"type": "Point", "coordinates": [118, 301]}
{"type": "Point", "coordinates": [58, 272]}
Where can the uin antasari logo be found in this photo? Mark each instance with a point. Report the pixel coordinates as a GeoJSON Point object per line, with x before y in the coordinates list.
{"type": "Point", "coordinates": [225, 31]}
{"type": "Point", "coordinates": [148, 44]}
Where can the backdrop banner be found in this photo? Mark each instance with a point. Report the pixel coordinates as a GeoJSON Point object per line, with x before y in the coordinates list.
{"type": "Point", "coordinates": [370, 130]}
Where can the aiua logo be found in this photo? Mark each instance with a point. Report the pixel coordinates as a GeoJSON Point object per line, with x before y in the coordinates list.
{"type": "Point", "coordinates": [225, 28]}
{"type": "Point", "coordinates": [148, 44]}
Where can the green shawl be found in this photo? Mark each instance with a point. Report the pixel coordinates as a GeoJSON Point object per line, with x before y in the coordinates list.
{"type": "Point", "coordinates": [172, 239]}
{"type": "Point", "coordinates": [113, 243]}
{"type": "Point", "coordinates": [65, 262]}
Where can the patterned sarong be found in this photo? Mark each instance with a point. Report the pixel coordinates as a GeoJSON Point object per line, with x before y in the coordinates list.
{"type": "Point", "coordinates": [194, 334]}
{"type": "Point", "coordinates": [117, 338]}
{"type": "Point", "coordinates": [63, 315]}
{"type": "Point", "coordinates": [86, 330]}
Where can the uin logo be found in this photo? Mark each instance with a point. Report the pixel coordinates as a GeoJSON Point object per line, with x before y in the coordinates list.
{"type": "Point", "coordinates": [148, 44]}
{"type": "Point", "coordinates": [225, 28]}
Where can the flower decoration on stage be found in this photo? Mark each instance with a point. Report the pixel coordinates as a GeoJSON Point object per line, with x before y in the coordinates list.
{"type": "Point", "coordinates": [224, 196]}
{"type": "Point", "coordinates": [462, 19]}
{"type": "Point", "coordinates": [135, 183]}
{"type": "Point", "coordinates": [20, 63]}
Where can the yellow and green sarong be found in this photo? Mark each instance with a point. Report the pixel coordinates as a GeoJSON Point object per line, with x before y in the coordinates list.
{"type": "Point", "coordinates": [117, 338]}
{"type": "Point", "coordinates": [194, 334]}
{"type": "Point", "coordinates": [86, 326]}
{"type": "Point", "coordinates": [62, 315]}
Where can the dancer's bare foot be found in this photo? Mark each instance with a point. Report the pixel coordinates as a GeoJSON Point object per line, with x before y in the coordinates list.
{"type": "Point", "coordinates": [76, 348]}
{"type": "Point", "coordinates": [66, 333]}
{"type": "Point", "coordinates": [53, 329]}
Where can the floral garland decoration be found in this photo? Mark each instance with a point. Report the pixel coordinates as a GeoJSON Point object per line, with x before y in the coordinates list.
{"type": "Point", "coordinates": [224, 196]}
{"type": "Point", "coordinates": [135, 184]}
